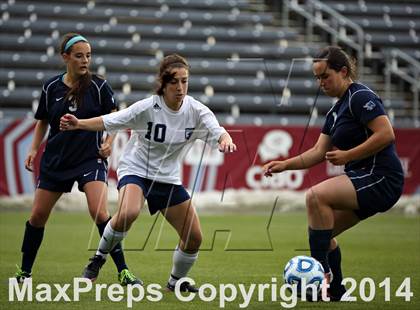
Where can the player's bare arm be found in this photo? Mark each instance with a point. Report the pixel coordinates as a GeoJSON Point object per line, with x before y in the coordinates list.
{"type": "Point", "coordinates": [71, 122]}
{"type": "Point", "coordinates": [39, 133]}
{"type": "Point", "coordinates": [226, 144]}
{"type": "Point", "coordinates": [311, 157]}
{"type": "Point", "coordinates": [383, 135]}
{"type": "Point", "coordinates": [106, 145]}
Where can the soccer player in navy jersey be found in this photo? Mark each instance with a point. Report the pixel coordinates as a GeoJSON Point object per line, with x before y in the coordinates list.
{"type": "Point", "coordinates": [71, 156]}
{"type": "Point", "coordinates": [163, 128]}
{"type": "Point", "coordinates": [357, 134]}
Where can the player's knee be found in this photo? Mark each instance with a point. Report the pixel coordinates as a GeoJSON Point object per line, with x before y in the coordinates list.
{"type": "Point", "coordinates": [130, 215]}
{"type": "Point", "coordinates": [194, 241]}
{"type": "Point", "coordinates": [38, 219]}
{"type": "Point", "coordinates": [314, 200]}
{"type": "Point", "coordinates": [333, 244]}
{"type": "Point", "coordinates": [99, 216]}
{"type": "Point", "coordinates": [310, 199]}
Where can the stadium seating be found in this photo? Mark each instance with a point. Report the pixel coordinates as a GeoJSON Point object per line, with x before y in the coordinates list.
{"type": "Point", "coordinates": [379, 29]}
{"type": "Point", "coordinates": [386, 23]}
{"type": "Point", "coordinates": [241, 59]}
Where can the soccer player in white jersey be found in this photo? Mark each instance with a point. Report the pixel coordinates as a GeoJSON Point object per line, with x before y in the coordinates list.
{"type": "Point", "coordinates": [162, 127]}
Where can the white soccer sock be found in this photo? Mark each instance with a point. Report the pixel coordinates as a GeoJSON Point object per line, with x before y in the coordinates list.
{"type": "Point", "coordinates": [109, 239]}
{"type": "Point", "coordinates": [182, 263]}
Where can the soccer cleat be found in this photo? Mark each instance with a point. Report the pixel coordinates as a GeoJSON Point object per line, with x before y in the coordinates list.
{"type": "Point", "coordinates": [335, 294]}
{"type": "Point", "coordinates": [126, 277]}
{"type": "Point", "coordinates": [91, 270]}
{"type": "Point", "coordinates": [21, 275]}
{"type": "Point", "coordinates": [185, 287]}
{"type": "Point", "coordinates": [336, 291]}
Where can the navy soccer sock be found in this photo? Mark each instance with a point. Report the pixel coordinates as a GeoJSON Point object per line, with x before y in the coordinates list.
{"type": "Point", "coordinates": [319, 243]}
{"type": "Point", "coordinates": [334, 259]}
{"type": "Point", "coordinates": [32, 240]}
{"type": "Point", "coordinates": [117, 253]}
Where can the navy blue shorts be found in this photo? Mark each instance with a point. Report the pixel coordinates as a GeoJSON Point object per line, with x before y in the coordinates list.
{"type": "Point", "coordinates": [375, 193]}
{"type": "Point", "coordinates": [159, 196]}
{"type": "Point", "coordinates": [96, 172]}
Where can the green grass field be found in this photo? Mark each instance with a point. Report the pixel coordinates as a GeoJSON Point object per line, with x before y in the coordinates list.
{"type": "Point", "coordinates": [236, 249]}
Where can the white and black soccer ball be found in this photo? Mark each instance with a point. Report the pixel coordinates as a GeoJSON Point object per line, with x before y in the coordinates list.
{"type": "Point", "coordinates": [301, 269]}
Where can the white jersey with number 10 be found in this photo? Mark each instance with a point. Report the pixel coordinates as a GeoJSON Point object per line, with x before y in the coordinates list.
{"type": "Point", "coordinates": [160, 136]}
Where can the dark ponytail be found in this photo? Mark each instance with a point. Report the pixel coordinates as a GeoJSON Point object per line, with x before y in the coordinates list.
{"type": "Point", "coordinates": [336, 59]}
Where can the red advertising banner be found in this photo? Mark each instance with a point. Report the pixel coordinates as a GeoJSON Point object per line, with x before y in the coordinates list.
{"type": "Point", "coordinates": [258, 145]}
{"type": "Point", "coordinates": [213, 170]}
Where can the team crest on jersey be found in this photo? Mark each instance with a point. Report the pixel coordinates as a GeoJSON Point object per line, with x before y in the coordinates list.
{"type": "Point", "coordinates": [188, 133]}
{"type": "Point", "coordinates": [370, 105]}
{"type": "Point", "coordinates": [156, 107]}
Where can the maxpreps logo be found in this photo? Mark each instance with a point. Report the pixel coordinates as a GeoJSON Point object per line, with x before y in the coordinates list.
{"type": "Point", "coordinates": [274, 146]}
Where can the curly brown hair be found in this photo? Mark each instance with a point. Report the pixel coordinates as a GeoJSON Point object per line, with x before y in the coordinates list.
{"type": "Point", "coordinates": [166, 66]}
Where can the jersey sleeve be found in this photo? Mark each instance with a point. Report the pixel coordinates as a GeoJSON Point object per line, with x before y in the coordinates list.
{"type": "Point", "coordinates": [329, 122]}
{"type": "Point", "coordinates": [129, 118]}
{"type": "Point", "coordinates": [209, 129]}
{"type": "Point", "coordinates": [42, 112]}
{"type": "Point", "coordinates": [366, 106]}
{"type": "Point", "coordinates": [107, 99]}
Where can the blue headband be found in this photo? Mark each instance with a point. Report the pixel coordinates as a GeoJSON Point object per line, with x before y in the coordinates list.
{"type": "Point", "coordinates": [74, 40]}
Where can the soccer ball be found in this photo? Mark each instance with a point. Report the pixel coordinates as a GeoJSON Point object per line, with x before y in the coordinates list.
{"type": "Point", "coordinates": [304, 269]}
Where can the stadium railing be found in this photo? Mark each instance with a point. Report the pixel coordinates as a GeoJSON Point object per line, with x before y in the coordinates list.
{"type": "Point", "coordinates": [337, 25]}
{"type": "Point", "coordinates": [407, 68]}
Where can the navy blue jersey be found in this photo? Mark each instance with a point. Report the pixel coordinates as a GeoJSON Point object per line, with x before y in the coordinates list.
{"type": "Point", "coordinates": [68, 153]}
{"type": "Point", "coordinates": [346, 124]}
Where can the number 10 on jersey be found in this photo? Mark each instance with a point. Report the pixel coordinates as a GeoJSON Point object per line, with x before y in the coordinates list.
{"type": "Point", "coordinates": [159, 132]}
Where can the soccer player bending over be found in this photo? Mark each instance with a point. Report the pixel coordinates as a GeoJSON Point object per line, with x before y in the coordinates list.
{"type": "Point", "coordinates": [163, 126]}
{"type": "Point", "coordinates": [358, 134]}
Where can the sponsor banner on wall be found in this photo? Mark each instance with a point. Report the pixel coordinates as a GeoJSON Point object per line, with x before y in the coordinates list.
{"type": "Point", "coordinates": [259, 145]}
{"type": "Point", "coordinates": [206, 169]}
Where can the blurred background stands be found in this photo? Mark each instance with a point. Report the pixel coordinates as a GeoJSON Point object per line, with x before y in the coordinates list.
{"type": "Point", "coordinates": [250, 59]}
